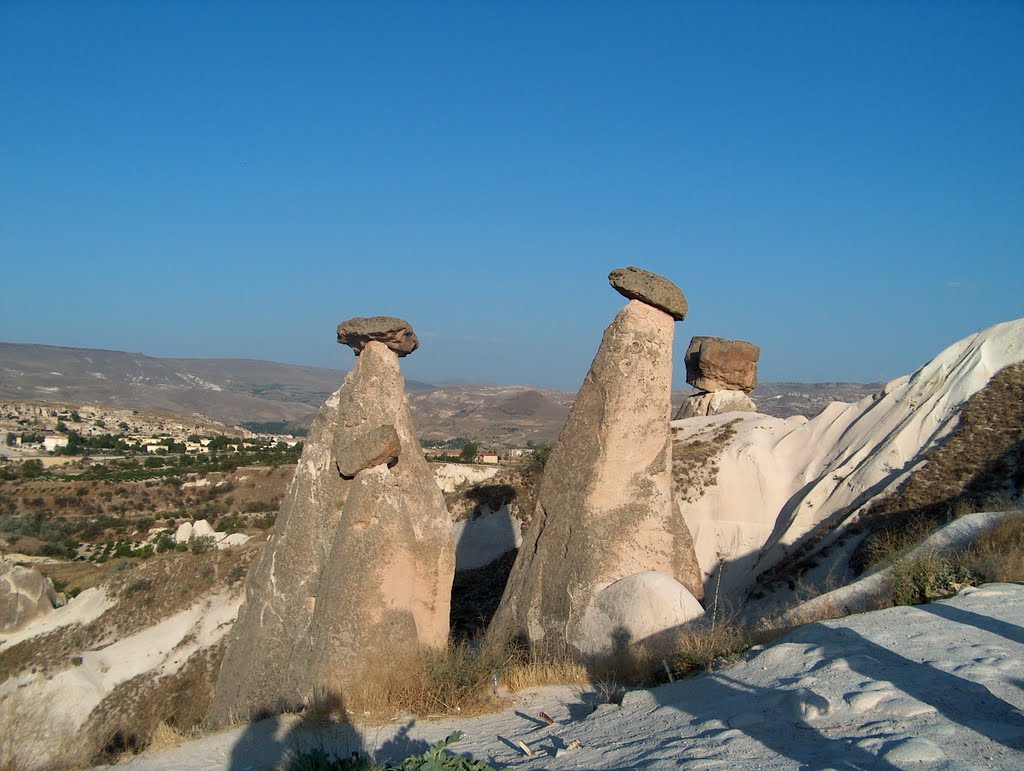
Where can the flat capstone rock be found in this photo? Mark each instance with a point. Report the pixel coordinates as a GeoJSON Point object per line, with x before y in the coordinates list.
{"type": "Point", "coordinates": [650, 288]}
{"type": "Point", "coordinates": [395, 333]}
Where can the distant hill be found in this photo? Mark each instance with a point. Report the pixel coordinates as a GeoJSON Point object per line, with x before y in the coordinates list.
{"type": "Point", "coordinates": [236, 391]}
{"type": "Point", "coordinates": [228, 390]}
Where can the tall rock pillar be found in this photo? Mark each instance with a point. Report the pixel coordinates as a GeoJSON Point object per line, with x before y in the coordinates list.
{"type": "Point", "coordinates": [608, 559]}
{"type": "Point", "coordinates": [362, 556]}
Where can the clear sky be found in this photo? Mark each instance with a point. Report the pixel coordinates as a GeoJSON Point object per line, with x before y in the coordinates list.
{"type": "Point", "coordinates": [842, 183]}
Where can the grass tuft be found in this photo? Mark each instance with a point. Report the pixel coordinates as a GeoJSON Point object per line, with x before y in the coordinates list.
{"type": "Point", "coordinates": [705, 648]}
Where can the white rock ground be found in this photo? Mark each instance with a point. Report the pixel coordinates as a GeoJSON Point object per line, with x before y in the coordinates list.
{"type": "Point", "coordinates": [933, 686]}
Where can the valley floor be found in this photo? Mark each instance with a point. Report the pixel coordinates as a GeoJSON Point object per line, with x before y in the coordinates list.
{"type": "Point", "coordinates": [931, 686]}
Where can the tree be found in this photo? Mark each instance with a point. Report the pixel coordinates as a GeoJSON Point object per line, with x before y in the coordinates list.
{"type": "Point", "coordinates": [30, 469]}
{"type": "Point", "coordinates": [468, 452]}
{"type": "Point", "coordinates": [534, 462]}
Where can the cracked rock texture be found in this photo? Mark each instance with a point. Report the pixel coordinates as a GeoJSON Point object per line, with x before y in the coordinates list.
{"type": "Point", "coordinates": [354, 568]}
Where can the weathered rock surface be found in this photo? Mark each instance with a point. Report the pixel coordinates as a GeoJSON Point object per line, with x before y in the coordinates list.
{"type": "Point", "coordinates": [395, 333]}
{"type": "Point", "coordinates": [717, 364]}
{"type": "Point", "coordinates": [203, 529]}
{"type": "Point", "coordinates": [650, 288]}
{"type": "Point", "coordinates": [26, 595]}
{"type": "Point", "coordinates": [715, 403]}
{"type": "Point", "coordinates": [776, 484]}
{"type": "Point", "coordinates": [377, 446]}
{"type": "Point", "coordinates": [228, 540]}
{"type": "Point", "coordinates": [637, 608]}
{"type": "Point", "coordinates": [354, 570]}
{"type": "Point", "coordinates": [605, 508]}
{"type": "Point", "coordinates": [184, 533]}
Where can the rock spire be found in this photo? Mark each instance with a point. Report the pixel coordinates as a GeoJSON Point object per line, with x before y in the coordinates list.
{"type": "Point", "coordinates": [605, 522]}
{"type": "Point", "coordinates": [361, 560]}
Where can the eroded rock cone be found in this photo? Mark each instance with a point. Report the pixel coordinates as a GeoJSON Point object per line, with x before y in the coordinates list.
{"type": "Point", "coordinates": [605, 510]}
{"type": "Point", "coordinates": [717, 364]}
{"type": "Point", "coordinates": [356, 568]}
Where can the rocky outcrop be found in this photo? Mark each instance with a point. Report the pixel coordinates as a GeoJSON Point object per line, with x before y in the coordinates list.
{"type": "Point", "coordinates": [355, 569]}
{"type": "Point", "coordinates": [395, 333]}
{"type": "Point", "coordinates": [704, 403]}
{"type": "Point", "coordinates": [637, 607]}
{"type": "Point", "coordinates": [380, 445]}
{"type": "Point", "coordinates": [605, 510]}
{"type": "Point", "coordinates": [26, 595]}
{"type": "Point", "coordinates": [717, 364]}
{"type": "Point", "coordinates": [189, 531]}
{"type": "Point", "coordinates": [784, 490]}
{"type": "Point", "coordinates": [649, 288]}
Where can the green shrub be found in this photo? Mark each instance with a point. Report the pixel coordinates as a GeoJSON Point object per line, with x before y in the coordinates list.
{"type": "Point", "coordinates": [201, 543]}
{"type": "Point", "coordinates": [434, 759]}
{"type": "Point", "coordinates": [142, 585]}
{"type": "Point", "coordinates": [928, 578]}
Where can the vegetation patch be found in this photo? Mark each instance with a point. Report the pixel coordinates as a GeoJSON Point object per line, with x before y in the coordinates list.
{"type": "Point", "coordinates": [695, 461]}
{"type": "Point", "coordinates": [977, 468]}
{"type": "Point", "coordinates": [436, 758]}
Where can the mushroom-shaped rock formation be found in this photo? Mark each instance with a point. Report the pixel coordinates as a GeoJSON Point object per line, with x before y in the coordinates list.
{"type": "Point", "coordinates": [605, 509]}
{"type": "Point", "coordinates": [717, 364]}
{"type": "Point", "coordinates": [395, 333]}
{"type": "Point", "coordinates": [357, 571]}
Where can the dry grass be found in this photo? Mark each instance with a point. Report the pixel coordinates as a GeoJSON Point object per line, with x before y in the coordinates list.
{"type": "Point", "coordinates": [130, 717]}
{"type": "Point", "coordinates": [460, 680]}
{"type": "Point", "coordinates": [165, 738]}
{"type": "Point", "coordinates": [976, 467]}
{"type": "Point", "coordinates": [888, 545]}
{"type": "Point", "coordinates": [998, 554]}
{"type": "Point", "coordinates": [30, 737]}
{"type": "Point", "coordinates": [694, 462]}
{"type": "Point", "coordinates": [525, 671]}
{"type": "Point", "coordinates": [708, 647]}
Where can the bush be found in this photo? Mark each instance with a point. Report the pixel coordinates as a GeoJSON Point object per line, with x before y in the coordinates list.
{"type": "Point", "coordinates": [201, 543]}
{"type": "Point", "coordinates": [142, 585]}
{"type": "Point", "coordinates": [700, 649]}
{"type": "Point", "coordinates": [928, 578]}
{"type": "Point", "coordinates": [31, 469]}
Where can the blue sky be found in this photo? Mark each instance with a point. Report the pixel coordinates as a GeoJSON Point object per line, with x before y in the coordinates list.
{"type": "Point", "coordinates": [842, 183]}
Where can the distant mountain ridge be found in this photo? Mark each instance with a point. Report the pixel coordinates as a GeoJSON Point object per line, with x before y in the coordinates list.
{"type": "Point", "coordinates": [236, 391]}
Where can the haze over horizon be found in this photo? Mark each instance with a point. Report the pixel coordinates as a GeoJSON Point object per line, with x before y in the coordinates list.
{"type": "Point", "coordinates": [842, 184]}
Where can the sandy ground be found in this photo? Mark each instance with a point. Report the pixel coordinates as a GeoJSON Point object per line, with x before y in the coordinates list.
{"type": "Point", "coordinates": [933, 686]}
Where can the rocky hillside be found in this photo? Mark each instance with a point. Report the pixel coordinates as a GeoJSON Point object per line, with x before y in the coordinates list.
{"type": "Point", "coordinates": [248, 391]}
{"type": "Point", "coordinates": [771, 502]}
